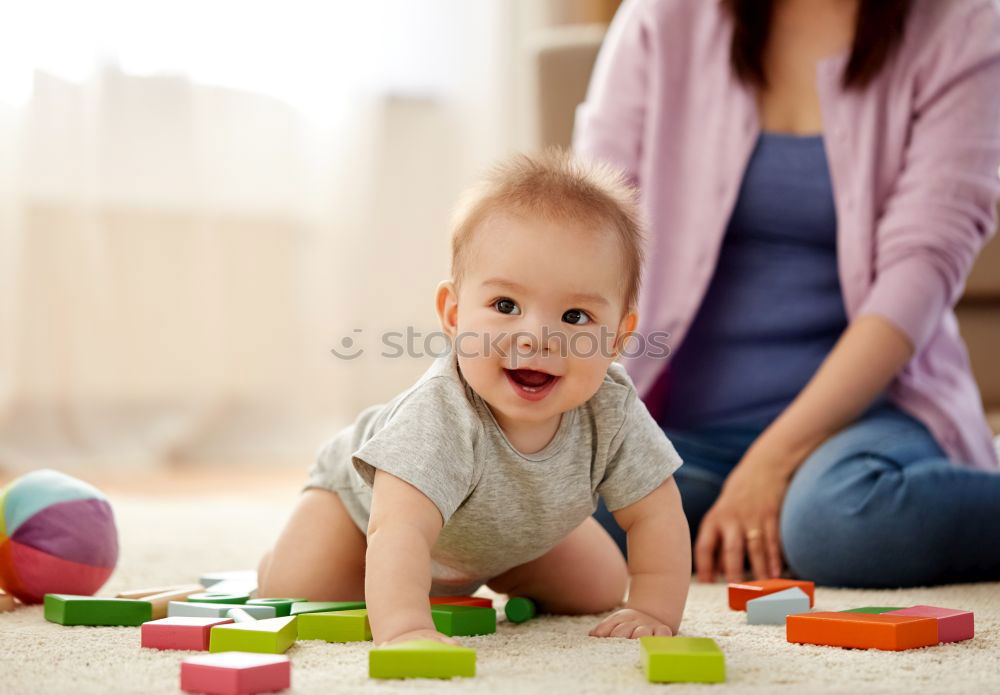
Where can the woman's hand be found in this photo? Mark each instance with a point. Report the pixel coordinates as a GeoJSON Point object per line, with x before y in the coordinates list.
{"type": "Point", "coordinates": [630, 623]}
{"type": "Point", "coordinates": [421, 634]}
{"type": "Point", "coordinates": [744, 520]}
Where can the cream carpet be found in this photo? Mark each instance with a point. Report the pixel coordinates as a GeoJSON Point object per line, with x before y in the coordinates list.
{"type": "Point", "coordinates": [176, 539]}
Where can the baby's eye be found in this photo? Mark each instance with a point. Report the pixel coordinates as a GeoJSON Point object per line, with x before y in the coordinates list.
{"type": "Point", "coordinates": [577, 317]}
{"type": "Point", "coordinates": [506, 306]}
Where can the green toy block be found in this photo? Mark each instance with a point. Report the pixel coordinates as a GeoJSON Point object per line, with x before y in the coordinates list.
{"type": "Point", "coordinates": [325, 606]}
{"type": "Point", "coordinates": [337, 626]}
{"type": "Point", "coordinates": [421, 659]}
{"type": "Point", "coordinates": [873, 610]}
{"type": "Point", "coordinates": [282, 606]}
{"type": "Point", "coordinates": [216, 597]}
{"type": "Point", "coordinates": [463, 621]}
{"type": "Point", "coordinates": [682, 660]}
{"type": "Point", "coordinates": [68, 609]}
{"type": "Point", "coordinates": [520, 609]}
{"type": "Point", "coordinates": [269, 636]}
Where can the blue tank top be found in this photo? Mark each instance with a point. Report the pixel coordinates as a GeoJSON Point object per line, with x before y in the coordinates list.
{"type": "Point", "coordinates": [774, 307]}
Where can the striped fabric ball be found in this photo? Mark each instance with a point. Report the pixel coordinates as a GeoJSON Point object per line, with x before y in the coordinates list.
{"type": "Point", "coordinates": [57, 535]}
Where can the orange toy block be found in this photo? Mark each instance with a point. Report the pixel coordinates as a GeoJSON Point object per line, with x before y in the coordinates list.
{"type": "Point", "coordinates": [862, 630]}
{"type": "Point", "coordinates": [461, 601]}
{"type": "Point", "coordinates": [742, 592]}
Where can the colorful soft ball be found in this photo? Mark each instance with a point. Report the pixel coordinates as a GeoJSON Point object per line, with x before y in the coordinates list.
{"type": "Point", "coordinates": [57, 535]}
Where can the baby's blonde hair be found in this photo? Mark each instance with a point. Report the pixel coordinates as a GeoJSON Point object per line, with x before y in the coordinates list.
{"type": "Point", "coordinates": [560, 187]}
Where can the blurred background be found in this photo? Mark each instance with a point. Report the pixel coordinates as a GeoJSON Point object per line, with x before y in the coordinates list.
{"type": "Point", "coordinates": [198, 200]}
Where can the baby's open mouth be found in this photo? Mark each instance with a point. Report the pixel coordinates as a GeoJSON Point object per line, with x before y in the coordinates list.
{"type": "Point", "coordinates": [531, 380]}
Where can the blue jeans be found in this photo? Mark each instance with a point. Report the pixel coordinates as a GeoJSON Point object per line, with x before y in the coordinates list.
{"type": "Point", "coordinates": [876, 505]}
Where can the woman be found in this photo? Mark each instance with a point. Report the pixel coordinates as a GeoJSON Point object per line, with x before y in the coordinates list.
{"type": "Point", "coordinates": [817, 177]}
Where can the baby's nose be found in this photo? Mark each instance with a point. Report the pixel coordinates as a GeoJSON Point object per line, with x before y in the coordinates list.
{"type": "Point", "coordinates": [545, 340]}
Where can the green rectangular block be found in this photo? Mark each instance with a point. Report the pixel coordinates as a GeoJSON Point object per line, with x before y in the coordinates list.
{"type": "Point", "coordinates": [873, 610]}
{"type": "Point", "coordinates": [325, 606]}
{"type": "Point", "coordinates": [67, 609]}
{"type": "Point", "coordinates": [464, 621]}
{"type": "Point", "coordinates": [268, 636]}
{"type": "Point", "coordinates": [682, 660]}
{"type": "Point", "coordinates": [338, 626]}
{"type": "Point", "coordinates": [421, 659]}
{"type": "Point", "coordinates": [282, 606]}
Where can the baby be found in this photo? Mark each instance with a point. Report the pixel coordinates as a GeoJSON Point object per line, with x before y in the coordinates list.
{"type": "Point", "coordinates": [487, 469]}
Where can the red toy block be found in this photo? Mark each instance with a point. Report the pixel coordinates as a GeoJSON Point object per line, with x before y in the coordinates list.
{"type": "Point", "coordinates": [235, 673]}
{"type": "Point", "coordinates": [179, 633]}
{"type": "Point", "coordinates": [953, 625]}
{"type": "Point", "coordinates": [742, 592]}
{"type": "Point", "coordinates": [461, 601]}
{"type": "Point", "coordinates": [862, 630]}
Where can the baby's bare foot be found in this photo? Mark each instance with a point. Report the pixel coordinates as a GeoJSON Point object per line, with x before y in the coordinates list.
{"type": "Point", "coordinates": [421, 634]}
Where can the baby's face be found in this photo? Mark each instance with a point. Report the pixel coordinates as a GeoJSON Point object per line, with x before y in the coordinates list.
{"type": "Point", "coordinates": [537, 316]}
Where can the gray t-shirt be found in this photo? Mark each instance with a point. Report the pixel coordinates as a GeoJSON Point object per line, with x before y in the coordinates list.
{"type": "Point", "coordinates": [501, 508]}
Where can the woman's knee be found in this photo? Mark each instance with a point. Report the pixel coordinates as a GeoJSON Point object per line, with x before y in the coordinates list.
{"type": "Point", "coordinates": [837, 525]}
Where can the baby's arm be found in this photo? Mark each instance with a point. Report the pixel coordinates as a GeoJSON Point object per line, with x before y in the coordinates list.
{"type": "Point", "coordinates": [659, 564]}
{"type": "Point", "coordinates": [402, 527]}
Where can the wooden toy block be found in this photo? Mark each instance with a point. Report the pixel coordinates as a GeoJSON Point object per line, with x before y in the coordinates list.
{"type": "Point", "coordinates": [462, 621]}
{"type": "Point", "coordinates": [774, 608]}
{"type": "Point", "coordinates": [682, 660]}
{"type": "Point", "coordinates": [6, 602]}
{"type": "Point", "coordinates": [742, 592]}
{"type": "Point", "coordinates": [240, 616]}
{"type": "Point", "coordinates": [215, 610]}
{"type": "Point", "coordinates": [67, 609]}
{"type": "Point", "coordinates": [179, 633]}
{"type": "Point", "coordinates": [862, 630]}
{"type": "Point", "coordinates": [953, 625]}
{"type": "Point", "coordinates": [235, 673]}
{"type": "Point", "coordinates": [142, 593]}
{"type": "Point", "coordinates": [461, 601]}
{"type": "Point", "coordinates": [872, 610]}
{"type": "Point", "coordinates": [520, 609]}
{"type": "Point", "coordinates": [338, 626]}
{"type": "Point", "coordinates": [282, 606]}
{"type": "Point", "coordinates": [271, 636]}
{"type": "Point", "coordinates": [162, 600]}
{"type": "Point", "coordinates": [421, 659]}
{"type": "Point", "coordinates": [325, 606]}
{"type": "Point", "coordinates": [217, 597]}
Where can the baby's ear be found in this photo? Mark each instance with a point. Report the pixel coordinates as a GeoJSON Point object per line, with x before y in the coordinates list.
{"type": "Point", "coordinates": [625, 328]}
{"type": "Point", "coordinates": [446, 301]}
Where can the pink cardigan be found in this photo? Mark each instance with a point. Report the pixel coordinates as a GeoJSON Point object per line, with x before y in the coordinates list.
{"type": "Point", "coordinates": [914, 162]}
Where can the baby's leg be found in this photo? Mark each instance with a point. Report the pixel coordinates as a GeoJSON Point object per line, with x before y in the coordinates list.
{"type": "Point", "coordinates": [320, 554]}
{"type": "Point", "coordinates": [584, 573]}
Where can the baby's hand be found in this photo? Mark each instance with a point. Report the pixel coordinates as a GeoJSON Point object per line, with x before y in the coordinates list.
{"type": "Point", "coordinates": [630, 623]}
{"type": "Point", "coordinates": [421, 634]}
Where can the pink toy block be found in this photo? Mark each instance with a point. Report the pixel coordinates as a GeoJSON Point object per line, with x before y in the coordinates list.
{"type": "Point", "coordinates": [953, 625]}
{"type": "Point", "coordinates": [179, 633]}
{"type": "Point", "coordinates": [235, 673]}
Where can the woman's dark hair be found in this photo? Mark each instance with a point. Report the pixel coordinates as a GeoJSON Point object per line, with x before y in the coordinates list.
{"type": "Point", "coordinates": [878, 31]}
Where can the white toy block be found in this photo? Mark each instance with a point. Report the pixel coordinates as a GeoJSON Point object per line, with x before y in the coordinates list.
{"type": "Point", "coordinates": [774, 608]}
{"type": "Point", "coordinates": [241, 616]}
{"type": "Point", "coordinates": [216, 610]}
{"type": "Point", "coordinates": [239, 582]}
